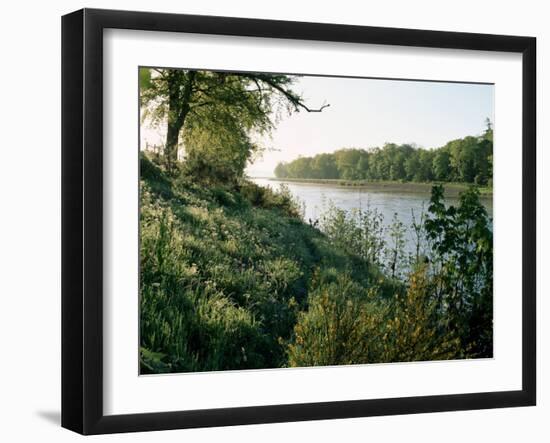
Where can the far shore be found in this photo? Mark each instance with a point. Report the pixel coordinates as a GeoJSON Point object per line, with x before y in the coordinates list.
{"type": "Point", "coordinates": [451, 189]}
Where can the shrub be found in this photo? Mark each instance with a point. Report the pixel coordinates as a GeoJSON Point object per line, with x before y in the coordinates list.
{"type": "Point", "coordinates": [462, 265]}
{"type": "Point", "coordinates": [414, 329]}
{"type": "Point", "coordinates": [339, 327]}
{"type": "Point", "coordinates": [267, 198]}
{"type": "Point", "coordinates": [348, 324]}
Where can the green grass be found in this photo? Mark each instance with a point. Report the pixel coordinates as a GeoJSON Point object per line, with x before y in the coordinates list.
{"type": "Point", "coordinates": [231, 278]}
{"type": "Point", "coordinates": [226, 272]}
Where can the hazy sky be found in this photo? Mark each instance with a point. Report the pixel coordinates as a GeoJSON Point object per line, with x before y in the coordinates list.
{"type": "Point", "coordinates": [364, 113]}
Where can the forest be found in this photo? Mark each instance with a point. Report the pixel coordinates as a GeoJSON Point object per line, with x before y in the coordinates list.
{"type": "Point", "coordinates": [232, 277]}
{"type": "Point", "coordinates": [465, 160]}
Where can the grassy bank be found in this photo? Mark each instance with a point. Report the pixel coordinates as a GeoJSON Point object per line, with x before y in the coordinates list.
{"type": "Point", "coordinates": [451, 189]}
{"type": "Point", "coordinates": [231, 278]}
{"type": "Point", "coordinates": [227, 273]}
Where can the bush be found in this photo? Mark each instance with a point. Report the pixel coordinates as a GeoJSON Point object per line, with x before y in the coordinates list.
{"type": "Point", "coordinates": [265, 197]}
{"type": "Point", "coordinates": [339, 327]}
{"type": "Point", "coordinates": [414, 329]}
{"type": "Point", "coordinates": [347, 324]}
{"type": "Point", "coordinates": [462, 267]}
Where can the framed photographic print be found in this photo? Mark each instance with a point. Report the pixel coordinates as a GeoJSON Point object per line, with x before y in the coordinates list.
{"type": "Point", "coordinates": [269, 221]}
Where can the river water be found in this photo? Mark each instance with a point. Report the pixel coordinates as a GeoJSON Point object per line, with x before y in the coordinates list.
{"type": "Point", "coordinates": [316, 198]}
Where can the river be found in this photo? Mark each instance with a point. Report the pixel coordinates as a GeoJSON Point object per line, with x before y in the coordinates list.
{"type": "Point", "coordinates": [316, 197]}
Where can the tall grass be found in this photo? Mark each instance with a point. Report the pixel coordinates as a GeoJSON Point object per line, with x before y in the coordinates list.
{"type": "Point", "coordinates": [224, 273]}
{"type": "Point", "coordinates": [232, 278]}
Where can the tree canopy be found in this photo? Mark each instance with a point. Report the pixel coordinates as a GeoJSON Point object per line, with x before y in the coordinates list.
{"type": "Point", "coordinates": [467, 160]}
{"type": "Point", "coordinates": [214, 115]}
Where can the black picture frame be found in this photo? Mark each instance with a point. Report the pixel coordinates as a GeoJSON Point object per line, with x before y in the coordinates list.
{"type": "Point", "coordinates": [82, 218]}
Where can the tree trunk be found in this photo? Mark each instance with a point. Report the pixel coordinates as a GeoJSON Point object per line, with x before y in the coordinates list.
{"type": "Point", "coordinates": [171, 146]}
{"type": "Point", "coordinates": [178, 108]}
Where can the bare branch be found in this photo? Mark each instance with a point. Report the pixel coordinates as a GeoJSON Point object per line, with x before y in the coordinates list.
{"type": "Point", "coordinates": [294, 99]}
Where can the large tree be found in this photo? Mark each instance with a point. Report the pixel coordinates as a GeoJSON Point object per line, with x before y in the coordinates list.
{"type": "Point", "coordinates": [218, 107]}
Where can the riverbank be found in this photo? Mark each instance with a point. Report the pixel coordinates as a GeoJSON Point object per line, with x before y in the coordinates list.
{"type": "Point", "coordinates": [451, 189]}
{"type": "Point", "coordinates": [228, 272]}
{"type": "Point", "coordinates": [232, 278]}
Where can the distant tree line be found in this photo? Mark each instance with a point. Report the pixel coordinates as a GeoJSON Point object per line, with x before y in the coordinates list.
{"type": "Point", "coordinates": [467, 160]}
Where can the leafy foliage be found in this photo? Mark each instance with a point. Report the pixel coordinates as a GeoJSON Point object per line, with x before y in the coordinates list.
{"type": "Point", "coordinates": [231, 278]}
{"type": "Point", "coordinates": [462, 262]}
{"type": "Point", "coordinates": [224, 272]}
{"type": "Point", "coordinates": [347, 324]}
{"type": "Point", "coordinates": [467, 160]}
{"type": "Point", "coordinates": [340, 326]}
{"type": "Point", "coordinates": [210, 116]}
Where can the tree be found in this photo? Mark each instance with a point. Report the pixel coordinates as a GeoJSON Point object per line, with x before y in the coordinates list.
{"type": "Point", "coordinates": [221, 155]}
{"type": "Point", "coordinates": [462, 267]}
{"type": "Point", "coordinates": [301, 167]}
{"type": "Point", "coordinates": [347, 161]}
{"type": "Point", "coordinates": [489, 129]}
{"type": "Point", "coordinates": [442, 165]}
{"type": "Point", "coordinates": [468, 160]}
{"type": "Point", "coordinates": [324, 166]}
{"type": "Point", "coordinates": [363, 164]}
{"type": "Point", "coordinates": [463, 152]}
{"type": "Point", "coordinates": [425, 171]}
{"type": "Point", "coordinates": [412, 166]}
{"type": "Point", "coordinates": [281, 170]}
{"type": "Point", "coordinates": [484, 157]}
{"type": "Point", "coordinates": [209, 101]}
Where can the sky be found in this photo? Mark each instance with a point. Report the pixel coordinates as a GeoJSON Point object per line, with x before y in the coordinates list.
{"type": "Point", "coordinates": [366, 113]}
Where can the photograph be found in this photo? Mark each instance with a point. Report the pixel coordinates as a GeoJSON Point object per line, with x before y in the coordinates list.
{"type": "Point", "coordinates": [289, 220]}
